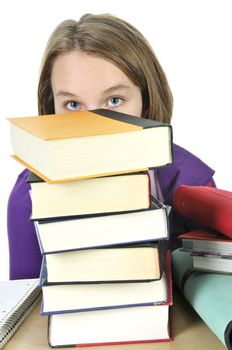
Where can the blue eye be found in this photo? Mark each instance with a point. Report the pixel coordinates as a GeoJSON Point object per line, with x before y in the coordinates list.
{"type": "Point", "coordinates": [115, 101]}
{"type": "Point", "coordinates": [72, 105]}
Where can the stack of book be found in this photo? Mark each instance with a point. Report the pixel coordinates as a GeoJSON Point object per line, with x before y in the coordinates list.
{"type": "Point", "coordinates": [202, 267]}
{"type": "Point", "coordinates": [105, 273]}
{"type": "Point", "coordinates": [211, 246]}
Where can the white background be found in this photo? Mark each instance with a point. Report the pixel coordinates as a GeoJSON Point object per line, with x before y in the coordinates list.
{"type": "Point", "coordinates": [192, 39]}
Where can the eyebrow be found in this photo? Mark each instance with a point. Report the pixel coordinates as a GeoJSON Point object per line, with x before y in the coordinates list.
{"type": "Point", "coordinates": [117, 87]}
{"type": "Point", "coordinates": [65, 94]}
{"type": "Point", "coordinates": [111, 89]}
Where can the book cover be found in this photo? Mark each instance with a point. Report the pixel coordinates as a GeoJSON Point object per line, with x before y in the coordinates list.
{"type": "Point", "coordinates": [65, 147]}
{"type": "Point", "coordinates": [17, 299]}
{"type": "Point", "coordinates": [208, 293]}
{"type": "Point", "coordinates": [127, 192]}
{"type": "Point", "coordinates": [205, 205]}
{"type": "Point", "coordinates": [205, 235]}
{"type": "Point", "coordinates": [81, 124]}
{"type": "Point", "coordinates": [129, 263]}
{"type": "Point", "coordinates": [63, 234]}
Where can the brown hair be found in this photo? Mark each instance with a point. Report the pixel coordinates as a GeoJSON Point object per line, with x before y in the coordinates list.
{"type": "Point", "coordinates": [119, 42]}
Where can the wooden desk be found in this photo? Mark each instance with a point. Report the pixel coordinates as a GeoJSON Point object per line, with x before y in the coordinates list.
{"type": "Point", "coordinates": [189, 332]}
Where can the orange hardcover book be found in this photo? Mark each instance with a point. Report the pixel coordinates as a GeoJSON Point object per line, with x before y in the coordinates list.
{"type": "Point", "coordinates": [70, 146]}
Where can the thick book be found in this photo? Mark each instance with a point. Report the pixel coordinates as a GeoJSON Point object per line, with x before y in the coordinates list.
{"type": "Point", "coordinates": [17, 299]}
{"type": "Point", "coordinates": [206, 241]}
{"type": "Point", "coordinates": [208, 293]}
{"type": "Point", "coordinates": [100, 296]}
{"type": "Point", "coordinates": [145, 324]}
{"type": "Point", "coordinates": [104, 230]}
{"type": "Point", "coordinates": [69, 146]}
{"type": "Point", "coordinates": [205, 205]}
{"type": "Point", "coordinates": [118, 193]}
{"type": "Point", "coordinates": [129, 263]}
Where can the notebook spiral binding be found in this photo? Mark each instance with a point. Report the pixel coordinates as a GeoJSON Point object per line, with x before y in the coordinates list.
{"type": "Point", "coordinates": [11, 318]}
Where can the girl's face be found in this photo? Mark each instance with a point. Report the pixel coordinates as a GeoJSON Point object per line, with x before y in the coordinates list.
{"type": "Point", "coordinates": [83, 82]}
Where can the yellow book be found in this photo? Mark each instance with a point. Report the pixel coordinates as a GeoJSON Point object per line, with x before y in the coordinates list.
{"type": "Point", "coordinates": [70, 146]}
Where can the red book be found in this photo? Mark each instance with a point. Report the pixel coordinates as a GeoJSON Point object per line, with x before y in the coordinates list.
{"type": "Point", "coordinates": [205, 205]}
{"type": "Point", "coordinates": [206, 241]}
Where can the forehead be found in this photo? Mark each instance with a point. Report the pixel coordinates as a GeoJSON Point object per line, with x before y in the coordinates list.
{"type": "Point", "coordinates": [78, 69]}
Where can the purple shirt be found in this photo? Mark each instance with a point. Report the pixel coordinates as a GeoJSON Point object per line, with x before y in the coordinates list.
{"type": "Point", "coordinates": [25, 257]}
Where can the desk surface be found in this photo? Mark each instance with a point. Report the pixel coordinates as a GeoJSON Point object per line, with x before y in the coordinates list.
{"type": "Point", "coordinates": [189, 332]}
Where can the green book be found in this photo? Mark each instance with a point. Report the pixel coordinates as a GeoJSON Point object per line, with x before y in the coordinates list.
{"type": "Point", "coordinates": [208, 293]}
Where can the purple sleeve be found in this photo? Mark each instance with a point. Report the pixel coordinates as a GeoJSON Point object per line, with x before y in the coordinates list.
{"type": "Point", "coordinates": [186, 169]}
{"type": "Point", "coordinates": [25, 257]}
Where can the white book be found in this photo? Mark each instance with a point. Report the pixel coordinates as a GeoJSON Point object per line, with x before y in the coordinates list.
{"type": "Point", "coordinates": [17, 299]}
{"type": "Point", "coordinates": [104, 230]}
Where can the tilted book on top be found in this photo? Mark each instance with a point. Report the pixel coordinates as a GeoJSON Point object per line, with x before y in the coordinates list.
{"type": "Point", "coordinates": [70, 146]}
{"type": "Point", "coordinates": [205, 205]}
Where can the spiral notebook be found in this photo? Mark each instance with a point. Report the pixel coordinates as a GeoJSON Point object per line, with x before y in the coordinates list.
{"type": "Point", "coordinates": [17, 299]}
